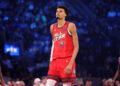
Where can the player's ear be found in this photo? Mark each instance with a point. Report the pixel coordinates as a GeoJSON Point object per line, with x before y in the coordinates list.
{"type": "Point", "coordinates": [65, 15]}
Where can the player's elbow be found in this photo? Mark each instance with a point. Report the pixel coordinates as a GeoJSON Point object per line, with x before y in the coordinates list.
{"type": "Point", "coordinates": [76, 47]}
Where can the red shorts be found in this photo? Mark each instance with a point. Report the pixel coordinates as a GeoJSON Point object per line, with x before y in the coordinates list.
{"type": "Point", "coordinates": [56, 71]}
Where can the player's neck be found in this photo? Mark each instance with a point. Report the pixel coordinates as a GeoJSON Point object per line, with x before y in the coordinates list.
{"type": "Point", "coordinates": [61, 23]}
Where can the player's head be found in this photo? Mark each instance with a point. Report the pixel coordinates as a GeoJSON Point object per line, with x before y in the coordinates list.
{"type": "Point", "coordinates": [62, 12]}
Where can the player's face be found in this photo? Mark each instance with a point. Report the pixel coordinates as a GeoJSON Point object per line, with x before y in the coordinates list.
{"type": "Point", "coordinates": [60, 13]}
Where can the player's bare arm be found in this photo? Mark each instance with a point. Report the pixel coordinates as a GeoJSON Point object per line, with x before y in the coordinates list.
{"type": "Point", "coordinates": [72, 29]}
{"type": "Point", "coordinates": [51, 30]}
{"type": "Point", "coordinates": [51, 27]}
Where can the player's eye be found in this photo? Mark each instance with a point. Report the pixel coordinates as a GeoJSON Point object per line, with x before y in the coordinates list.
{"type": "Point", "coordinates": [61, 11]}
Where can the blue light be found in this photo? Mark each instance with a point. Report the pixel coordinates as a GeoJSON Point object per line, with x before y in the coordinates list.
{"type": "Point", "coordinates": [111, 14]}
{"type": "Point", "coordinates": [109, 28]}
{"type": "Point", "coordinates": [44, 18]}
{"type": "Point", "coordinates": [107, 44]}
{"type": "Point", "coordinates": [31, 7]}
{"type": "Point", "coordinates": [16, 19]}
{"type": "Point", "coordinates": [6, 18]}
{"type": "Point", "coordinates": [118, 14]}
{"type": "Point", "coordinates": [33, 26]}
{"type": "Point", "coordinates": [14, 50]}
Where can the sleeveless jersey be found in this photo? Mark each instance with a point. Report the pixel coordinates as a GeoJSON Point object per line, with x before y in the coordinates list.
{"type": "Point", "coordinates": [62, 45]}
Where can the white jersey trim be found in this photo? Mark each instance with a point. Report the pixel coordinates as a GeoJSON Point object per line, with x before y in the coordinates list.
{"type": "Point", "coordinates": [52, 50]}
{"type": "Point", "coordinates": [69, 32]}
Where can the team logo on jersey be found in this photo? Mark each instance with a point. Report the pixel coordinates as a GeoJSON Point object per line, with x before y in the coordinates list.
{"type": "Point", "coordinates": [61, 43]}
{"type": "Point", "coordinates": [59, 36]}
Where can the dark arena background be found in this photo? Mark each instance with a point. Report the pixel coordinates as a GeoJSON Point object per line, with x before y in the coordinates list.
{"type": "Point", "coordinates": [25, 40]}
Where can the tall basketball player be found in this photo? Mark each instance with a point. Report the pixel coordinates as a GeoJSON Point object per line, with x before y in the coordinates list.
{"type": "Point", "coordinates": [64, 50]}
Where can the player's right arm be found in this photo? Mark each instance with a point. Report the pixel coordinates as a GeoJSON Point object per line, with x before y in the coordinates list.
{"type": "Point", "coordinates": [51, 30]}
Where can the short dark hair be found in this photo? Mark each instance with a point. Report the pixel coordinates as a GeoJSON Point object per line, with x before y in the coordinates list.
{"type": "Point", "coordinates": [65, 8]}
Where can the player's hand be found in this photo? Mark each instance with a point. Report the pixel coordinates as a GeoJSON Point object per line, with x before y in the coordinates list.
{"type": "Point", "coordinates": [68, 69]}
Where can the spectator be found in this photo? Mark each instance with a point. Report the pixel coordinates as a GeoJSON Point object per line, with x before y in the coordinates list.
{"type": "Point", "coordinates": [110, 82]}
{"type": "Point", "coordinates": [36, 82]}
{"type": "Point", "coordinates": [105, 83]}
{"type": "Point", "coordinates": [88, 83]}
{"type": "Point", "coordinates": [44, 79]}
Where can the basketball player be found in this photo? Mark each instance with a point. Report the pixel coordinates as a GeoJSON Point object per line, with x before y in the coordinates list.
{"type": "Point", "coordinates": [65, 47]}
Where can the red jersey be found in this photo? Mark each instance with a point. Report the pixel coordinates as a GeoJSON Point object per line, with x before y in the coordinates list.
{"type": "Point", "coordinates": [62, 46]}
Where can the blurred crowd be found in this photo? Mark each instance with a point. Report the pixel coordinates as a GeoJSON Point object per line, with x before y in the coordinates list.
{"type": "Point", "coordinates": [80, 82]}
{"type": "Point", "coordinates": [26, 23]}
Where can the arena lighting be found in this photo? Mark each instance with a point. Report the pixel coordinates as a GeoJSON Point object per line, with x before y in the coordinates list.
{"type": "Point", "coordinates": [13, 49]}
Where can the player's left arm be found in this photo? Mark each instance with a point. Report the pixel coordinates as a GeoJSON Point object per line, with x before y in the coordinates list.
{"type": "Point", "coordinates": [73, 31]}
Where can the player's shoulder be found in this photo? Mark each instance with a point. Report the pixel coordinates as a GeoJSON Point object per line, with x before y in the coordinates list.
{"type": "Point", "coordinates": [52, 25]}
{"type": "Point", "coordinates": [71, 24]}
